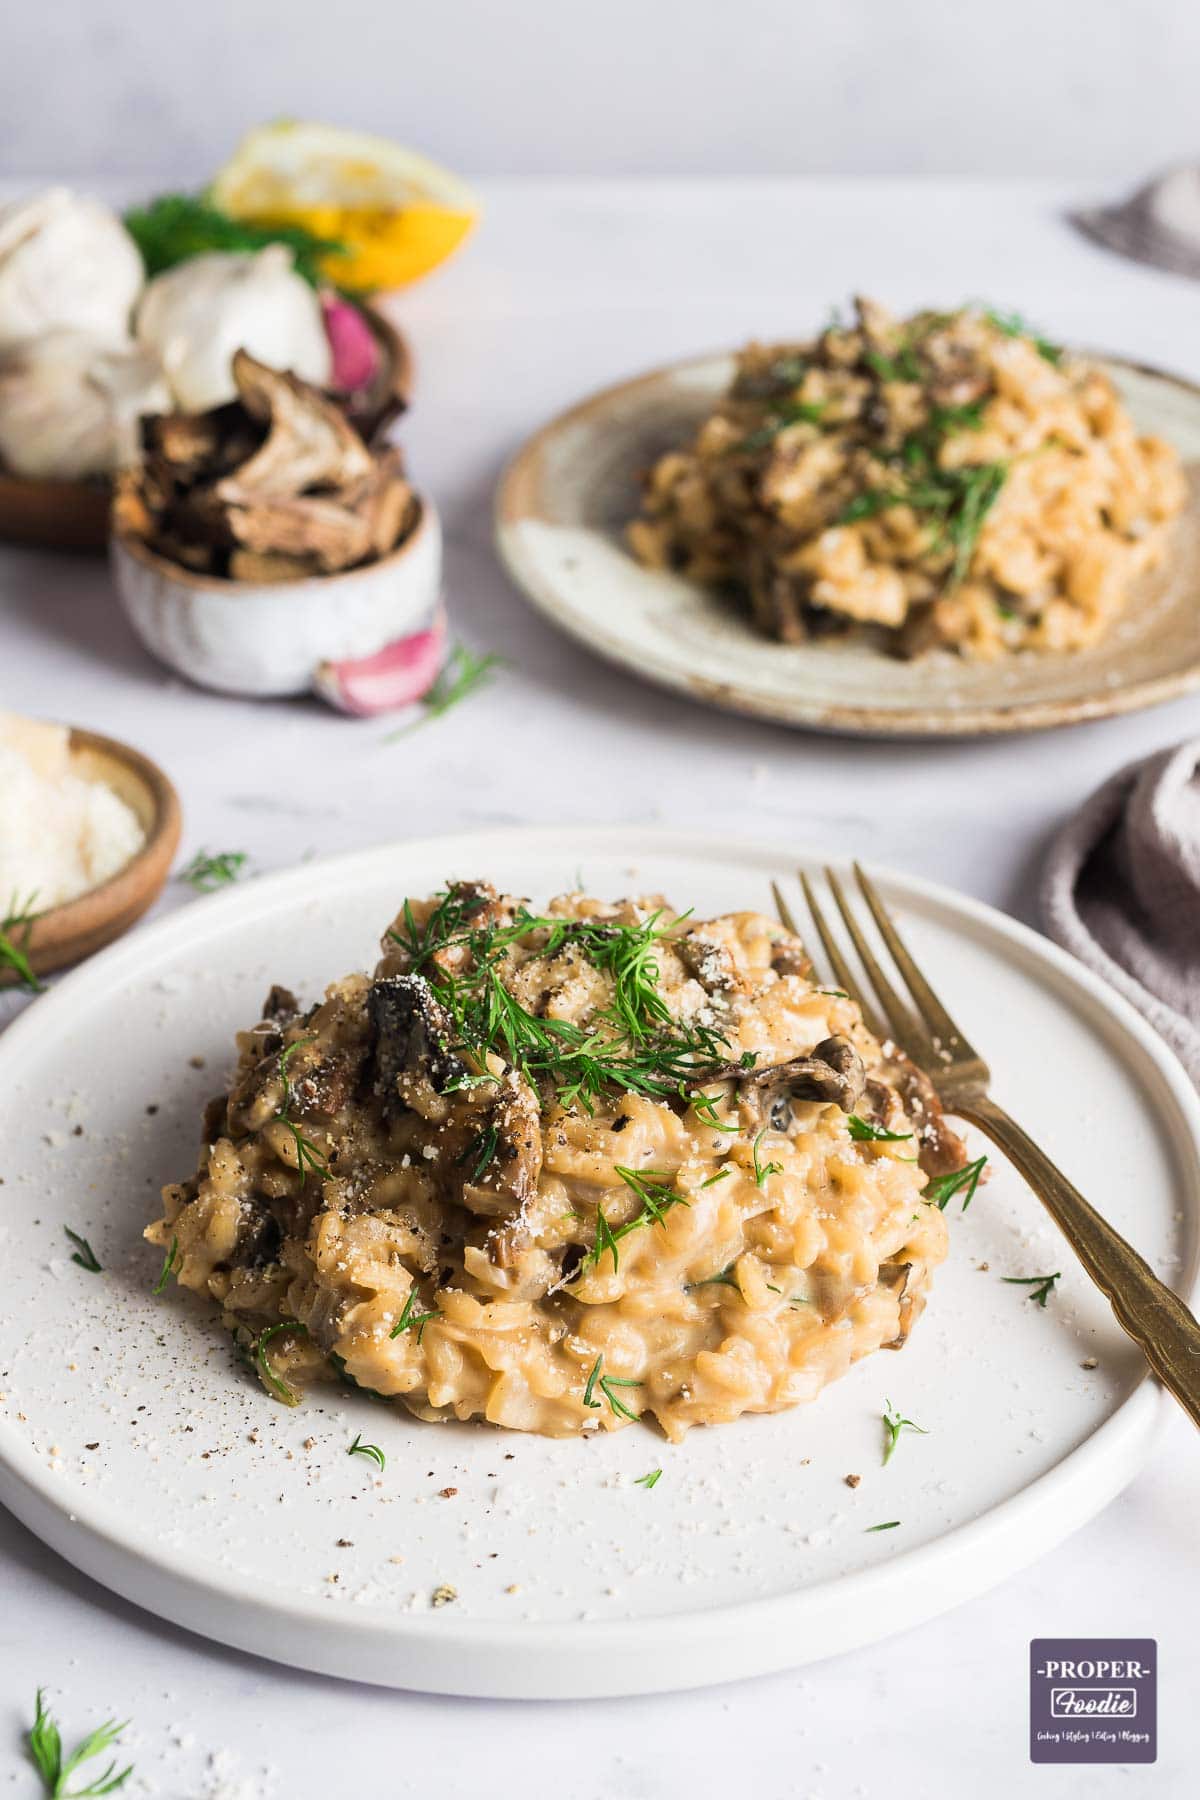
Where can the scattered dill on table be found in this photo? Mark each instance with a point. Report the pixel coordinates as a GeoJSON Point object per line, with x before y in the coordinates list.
{"type": "Point", "coordinates": [44, 1744]}
{"type": "Point", "coordinates": [83, 1254]}
{"type": "Point", "coordinates": [208, 871]}
{"type": "Point", "coordinates": [13, 955]}
{"type": "Point", "coordinates": [649, 1480]}
{"type": "Point", "coordinates": [463, 674]}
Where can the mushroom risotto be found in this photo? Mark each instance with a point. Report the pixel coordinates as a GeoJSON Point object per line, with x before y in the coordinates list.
{"type": "Point", "coordinates": [560, 1171]}
{"type": "Point", "coordinates": [949, 480]}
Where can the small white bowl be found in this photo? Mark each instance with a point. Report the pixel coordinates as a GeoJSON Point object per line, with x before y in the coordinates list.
{"type": "Point", "coordinates": [269, 638]}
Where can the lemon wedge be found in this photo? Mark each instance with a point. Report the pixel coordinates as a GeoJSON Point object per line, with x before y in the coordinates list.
{"type": "Point", "coordinates": [397, 214]}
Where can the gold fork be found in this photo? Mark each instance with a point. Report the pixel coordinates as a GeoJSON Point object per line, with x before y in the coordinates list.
{"type": "Point", "coordinates": [1154, 1317]}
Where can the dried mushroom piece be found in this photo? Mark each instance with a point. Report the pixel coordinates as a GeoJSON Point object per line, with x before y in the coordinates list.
{"type": "Point", "coordinates": [275, 486]}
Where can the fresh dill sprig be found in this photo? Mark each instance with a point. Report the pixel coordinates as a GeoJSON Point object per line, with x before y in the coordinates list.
{"type": "Point", "coordinates": [170, 1266]}
{"type": "Point", "coordinates": [797, 412]}
{"type": "Point", "coordinates": [463, 673]}
{"type": "Point", "coordinates": [1040, 1286]}
{"type": "Point", "coordinates": [308, 1156]}
{"type": "Point", "coordinates": [209, 870]}
{"type": "Point", "coordinates": [19, 918]}
{"type": "Point", "coordinates": [706, 1106]}
{"type": "Point", "coordinates": [358, 1448]}
{"type": "Point", "coordinates": [719, 1176]}
{"type": "Point", "coordinates": [275, 1382]}
{"type": "Point", "coordinates": [633, 1044]}
{"type": "Point", "coordinates": [606, 1384]}
{"type": "Point", "coordinates": [656, 1195]}
{"type": "Point", "coordinates": [723, 1278]}
{"type": "Point", "coordinates": [762, 1169]}
{"type": "Point", "coordinates": [44, 1743]}
{"type": "Point", "coordinates": [649, 1480]}
{"type": "Point", "coordinates": [888, 1525]}
{"type": "Point", "coordinates": [893, 1425]}
{"type": "Point", "coordinates": [83, 1254]}
{"type": "Point", "coordinates": [1013, 325]}
{"type": "Point", "coordinates": [941, 1189]}
{"type": "Point", "coordinates": [410, 1317]}
{"type": "Point", "coordinates": [863, 1132]}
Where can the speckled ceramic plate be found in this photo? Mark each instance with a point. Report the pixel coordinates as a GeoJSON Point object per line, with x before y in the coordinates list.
{"type": "Point", "coordinates": [134, 1443]}
{"type": "Point", "coordinates": [567, 495]}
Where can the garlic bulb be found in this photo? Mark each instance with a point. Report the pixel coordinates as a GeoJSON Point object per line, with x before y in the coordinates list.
{"type": "Point", "coordinates": [66, 264]}
{"type": "Point", "coordinates": [194, 317]}
{"type": "Point", "coordinates": [70, 402]}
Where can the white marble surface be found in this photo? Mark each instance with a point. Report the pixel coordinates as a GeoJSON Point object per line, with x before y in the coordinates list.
{"type": "Point", "coordinates": [681, 87]}
{"type": "Point", "coordinates": [566, 287]}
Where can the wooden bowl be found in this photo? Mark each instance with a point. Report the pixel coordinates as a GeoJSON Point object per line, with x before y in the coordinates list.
{"type": "Point", "coordinates": [74, 515]}
{"type": "Point", "coordinates": [65, 934]}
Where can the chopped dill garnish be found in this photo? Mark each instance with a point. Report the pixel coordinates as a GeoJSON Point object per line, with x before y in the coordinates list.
{"type": "Point", "coordinates": [606, 1384]}
{"type": "Point", "coordinates": [411, 1317]}
{"type": "Point", "coordinates": [722, 1278]}
{"type": "Point", "coordinates": [44, 1743]}
{"type": "Point", "coordinates": [463, 674]}
{"type": "Point", "coordinates": [633, 1044]}
{"type": "Point", "coordinates": [206, 872]}
{"type": "Point", "coordinates": [888, 1525]}
{"type": "Point", "coordinates": [719, 1176]}
{"type": "Point", "coordinates": [83, 1254]}
{"type": "Point", "coordinates": [13, 955]}
{"type": "Point", "coordinates": [706, 1106]}
{"type": "Point", "coordinates": [1013, 325]}
{"type": "Point", "coordinates": [864, 1132]}
{"type": "Point", "coordinates": [308, 1156]}
{"type": "Point", "coordinates": [275, 1382]}
{"type": "Point", "coordinates": [893, 1425]}
{"type": "Point", "coordinates": [761, 1169]}
{"type": "Point", "coordinates": [1040, 1286]}
{"type": "Point", "coordinates": [657, 1197]}
{"type": "Point", "coordinates": [797, 412]}
{"type": "Point", "coordinates": [649, 1480]}
{"type": "Point", "coordinates": [170, 1266]}
{"type": "Point", "coordinates": [358, 1448]}
{"type": "Point", "coordinates": [941, 1189]}
{"type": "Point", "coordinates": [482, 1146]}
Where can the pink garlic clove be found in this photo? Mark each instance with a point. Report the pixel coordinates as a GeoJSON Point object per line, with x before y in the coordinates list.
{"type": "Point", "coordinates": [356, 354]}
{"type": "Point", "coordinates": [398, 675]}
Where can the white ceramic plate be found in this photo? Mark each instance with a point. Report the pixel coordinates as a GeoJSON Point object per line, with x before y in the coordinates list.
{"type": "Point", "coordinates": [567, 495]}
{"type": "Point", "coordinates": [132, 1441]}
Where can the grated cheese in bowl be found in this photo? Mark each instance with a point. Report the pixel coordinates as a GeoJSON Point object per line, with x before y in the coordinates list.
{"type": "Point", "coordinates": [60, 833]}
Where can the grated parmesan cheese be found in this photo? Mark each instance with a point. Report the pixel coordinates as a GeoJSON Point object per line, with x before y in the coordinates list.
{"type": "Point", "coordinates": [60, 834]}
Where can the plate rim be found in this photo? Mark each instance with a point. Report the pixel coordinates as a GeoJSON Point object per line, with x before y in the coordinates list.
{"type": "Point", "coordinates": [841, 719]}
{"type": "Point", "coordinates": [575, 1658]}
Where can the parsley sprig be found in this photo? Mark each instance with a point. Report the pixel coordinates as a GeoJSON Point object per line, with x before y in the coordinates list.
{"type": "Point", "coordinates": [44, 1742]}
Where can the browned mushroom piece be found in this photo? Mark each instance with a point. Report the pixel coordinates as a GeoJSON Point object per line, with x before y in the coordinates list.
{"type": "Point", "coordinates": [309, 442]}
{"type": "Point", "coordinates": [832, 1073]}
{"type": "Point", "coordinates": [413, 1067]}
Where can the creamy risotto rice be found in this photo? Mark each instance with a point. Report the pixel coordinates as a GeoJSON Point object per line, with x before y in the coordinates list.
{"type": "Point", "coordinates": [560, 1171]}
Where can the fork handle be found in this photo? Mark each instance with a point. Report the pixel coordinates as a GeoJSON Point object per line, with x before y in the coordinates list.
{"type": "Point", "coordinates": [1154, 1317]}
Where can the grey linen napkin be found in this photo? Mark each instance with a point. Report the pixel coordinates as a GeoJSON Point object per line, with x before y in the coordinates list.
{"type": "Point", "coordinates": [1121, 889]}
{"type": "Point", "coordinates": [1159, 224]}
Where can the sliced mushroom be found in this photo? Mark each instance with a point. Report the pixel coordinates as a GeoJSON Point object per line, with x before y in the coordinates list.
{"type": "Point", "coordinates": [832, 1074]}
{"type": "Point", "coordinates": [309, 443]}
{"type": "Point", "coordinates": [412, 1065]}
